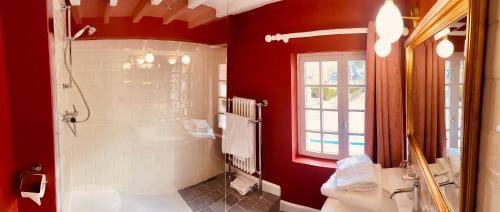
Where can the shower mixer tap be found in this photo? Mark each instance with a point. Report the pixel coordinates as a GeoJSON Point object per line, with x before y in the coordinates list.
{"type": "Point", "coordinates": [70, 119]}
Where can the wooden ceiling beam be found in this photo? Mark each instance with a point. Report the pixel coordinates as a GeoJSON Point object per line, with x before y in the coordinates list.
{"type": "Point", "coordinates": [175, 11]}
{"type": "Point", "coordinates": [195, 3]}
{"type": "Point", "coordinates": [202, 19]}
{"type": "Point", "coordinates": [140, 10]}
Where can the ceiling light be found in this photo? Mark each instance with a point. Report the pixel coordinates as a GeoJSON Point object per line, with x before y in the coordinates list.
{"type": "Point", "coordinates": [156, 2]}
{"type": "Point", "coordinates": [382, 48]}
{"type": "Point", "coordinates": [172, 61]}
{"type": "Point", "coordinates": [445, 48]}
{"type": "Point", "coordinates": [113, 3]}
{"type": "Point", "coordinates": [149, 58]}
{"type": "Point", "coordinates": [186, 59]}
{"type": "Point", "coordinates": [389, 22]}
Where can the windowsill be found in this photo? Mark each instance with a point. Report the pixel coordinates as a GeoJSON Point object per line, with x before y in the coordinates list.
{"type": "Point", "coordinates": [312, 161]}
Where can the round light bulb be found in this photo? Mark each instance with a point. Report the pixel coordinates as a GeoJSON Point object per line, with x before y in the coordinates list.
{"type": "Point", "coordinates": [140, 61]}
{"type": "Point", "coordinates": [186, 59]}
{"type": "Point", "coordinates": [389, 22]}
{"type": "Point", "coordinates": [382, 48]}
{"type": "Point", "coordinates": [149, 57]}
{"type": "Point", "coordinates": [172, 61]}
{"type": "Point", "coordinates": [445, 48]}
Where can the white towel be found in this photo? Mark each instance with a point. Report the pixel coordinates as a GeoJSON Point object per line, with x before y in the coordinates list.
{"type": "Point", "coordinates": [371, 199]}
{"type": "Point", "coordinates": [242, 184]}
{"type": "Point", "coordinates": [238, 138]}
{"type": "Point", "coordinates": [355, 173]}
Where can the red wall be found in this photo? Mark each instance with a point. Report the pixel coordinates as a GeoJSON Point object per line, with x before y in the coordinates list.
{"type": "Point", "coordinates": [153, 28]}
{"type": "Point", "coordinates": [8, 201]}
{"type": "Point", "coordinates": [261, 70]}
{"type": "Point", "coordinates": [26, 46]}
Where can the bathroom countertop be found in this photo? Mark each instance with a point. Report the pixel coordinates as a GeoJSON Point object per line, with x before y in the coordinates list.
{"type": "Point", "coordinates": [391, 180]}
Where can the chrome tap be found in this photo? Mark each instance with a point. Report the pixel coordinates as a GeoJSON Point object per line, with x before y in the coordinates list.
{"type": "Point", "coordinates": [445, 183]}
{"type": "Point", "coordinates": [411, 176]}
{"type": "Point", "coordinates": [404, 190]}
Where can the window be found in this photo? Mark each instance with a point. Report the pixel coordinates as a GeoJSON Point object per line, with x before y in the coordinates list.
{"type": "Point", "coordinates": [331, 95]}
{"type": "Point", "coordinates": [454, 80]}
{"type": "Point", "coordinates": [222, 93]}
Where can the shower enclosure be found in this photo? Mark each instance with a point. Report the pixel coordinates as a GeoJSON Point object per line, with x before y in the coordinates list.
{"type": "Point", "coordinates": [153, 126]}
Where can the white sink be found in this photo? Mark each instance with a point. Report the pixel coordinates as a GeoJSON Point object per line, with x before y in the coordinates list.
{"type": "Point", "coordinates": [333, 205]}
{"type": "Point", "coordinates": [391, 180]}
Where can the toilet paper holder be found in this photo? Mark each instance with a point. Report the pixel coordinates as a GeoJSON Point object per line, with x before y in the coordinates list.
{"type": "Point", "coordinates": [32, 183]}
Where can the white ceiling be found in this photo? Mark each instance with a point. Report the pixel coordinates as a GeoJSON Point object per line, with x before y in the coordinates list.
{"type": "Point", "coordinates": [230, 7]}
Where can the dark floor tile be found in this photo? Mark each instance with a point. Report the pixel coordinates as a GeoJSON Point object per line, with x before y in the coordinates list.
{"type": "Point", "coordinates": [236, 208]}
{"type": "Point", "coordinates": [203, 202]}
{"type": "Point", "coordinates": [247, 203]}
{"type": "Point", "coordinates": [231, 200]}
{"type": "Point", "coordinates": [263, 205]}
{"type": "Point", "coordinates": [271, 197]}
{"type": "Point", "coordinates": [219, 206]}
{"type": "Point", "coordinates": [212, 185]}
{"type": "Point", "coordinates": [188, 195]}
{"type": "Point", "coordinates": [215, 195]}
{"type": "Point", "coordinates": [200, 191]}
{"type": "Point", "coordinates": [253, 195]}
{"type": "Point", "coordinates": [193, 205]}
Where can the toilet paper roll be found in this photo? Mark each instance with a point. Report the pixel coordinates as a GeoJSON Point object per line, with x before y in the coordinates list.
{"type": "Point", "coordinates": [33, 187]}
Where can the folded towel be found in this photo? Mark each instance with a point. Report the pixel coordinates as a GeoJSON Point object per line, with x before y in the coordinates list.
{"type": "Point", "coordinates": [369, 199]}
{"type": "Point", "coordinates": [355, 174]}
{"type": "Point", "coordinates": [354, 161]}
{"type": "Point", "coordinates": [239, 136]}
{"type": "Point", "coordinates": [242, 184]}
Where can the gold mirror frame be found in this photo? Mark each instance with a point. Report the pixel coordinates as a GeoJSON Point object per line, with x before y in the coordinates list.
{"type": "Point", "coordinates": [441, 15]}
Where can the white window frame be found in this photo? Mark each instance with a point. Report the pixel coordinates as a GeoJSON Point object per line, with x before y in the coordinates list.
{"type": "Point", "coordinates": [222, 70]}
{"type": "Point", "coordinates": [454, 107]}
{"type": "Point", "coordinates": [343, 108]}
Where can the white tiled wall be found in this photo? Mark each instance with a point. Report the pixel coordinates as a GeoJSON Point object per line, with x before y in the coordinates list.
{"type": "Point", "coordinates": [136, 139]}
{"type": "Point", "coordinates": [488, 191]}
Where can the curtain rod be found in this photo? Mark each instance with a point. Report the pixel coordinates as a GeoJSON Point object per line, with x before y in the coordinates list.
{"type": "Point", "coordinates": [342, 31]}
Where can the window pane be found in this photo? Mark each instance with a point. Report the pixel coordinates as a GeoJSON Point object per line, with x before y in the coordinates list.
{"type": "Point", "coordinates": [313, 142]}
{"type": "Point", "coordinates": [222, 105]}
{"type": "Point", "coordinates": [330, 98]}
{"type": "Point", "coordinates": [331, 144]}
{"type": "Point", "coordinates": [222, 89]}
{"type": "Point", "coordinates": [356, 145]}
{"type": "Point", "coordinates": [357, 122]}
{"type": "Point", "coordinates": [312, 97]}
{"type": "Point", "coordinates": [447, 72]}
{"type": "Point", "coordinates": [311, 76]}
{"type": "Point", "coordinates": [461, 71]}
{"type": "Point", "coordinates": [447, 96]}
{"type": "Point", "coordinates": [330, 73]}
{"type": "Point", "coordinates": [357, 98]}
{"type": "Point", "coordinates": [447, 118]}
{"type": "Point", "coordinates": [459, 118]}
{"type": "Point", "coordinates": [330, 121]}
{"type": "Point", "coordinates": [448, 138]}
{"type": "Point", "coordinates": [222, 121]}
{"type": "Point", "coordinates": [460, 95]}
{"type": "Point", "coordinates": [313, 121]}
{"type": "Point", "coordinates": [222, 72]}
{"type": "Point", "coordinates": [357, 73]}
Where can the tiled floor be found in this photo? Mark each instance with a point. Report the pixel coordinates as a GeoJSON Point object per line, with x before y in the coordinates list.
{"type": "Point", "coordinates": [209, 196]}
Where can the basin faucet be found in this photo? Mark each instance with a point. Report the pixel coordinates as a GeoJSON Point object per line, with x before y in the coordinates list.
{"type": "Point", "coordinates": [404, 190]}
{"type": "Point", "coordinates": [445, 183]}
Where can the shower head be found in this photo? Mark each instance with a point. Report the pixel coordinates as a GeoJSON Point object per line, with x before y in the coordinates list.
{"type": "Point", "coordinates": [80, 33]}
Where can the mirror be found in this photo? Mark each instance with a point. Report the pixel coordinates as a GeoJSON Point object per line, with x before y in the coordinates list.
{"type": "Point", "coordinates": [438, 103]}
{"type": "Point", "coordinates": [444, 55]}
